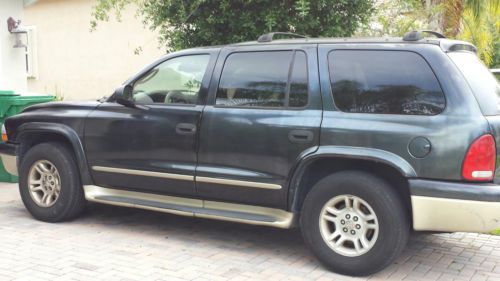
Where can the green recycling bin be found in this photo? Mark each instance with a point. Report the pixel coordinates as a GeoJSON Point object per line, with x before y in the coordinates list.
{"type": "Point", "coordinates": [11, 104]}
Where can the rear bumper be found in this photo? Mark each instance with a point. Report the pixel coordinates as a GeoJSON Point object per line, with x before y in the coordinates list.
{"type": "Point", "coordinates": [454, 207]}
{"type": "Point", "coordinates": [9, 158]}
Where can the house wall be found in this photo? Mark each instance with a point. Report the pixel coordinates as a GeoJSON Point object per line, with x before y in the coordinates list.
{"type": "Point", "coordinates": [79, 64]}
{"type": "Point", "coordinates": [12, 60]}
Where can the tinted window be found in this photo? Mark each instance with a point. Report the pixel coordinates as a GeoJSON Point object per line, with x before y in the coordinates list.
{"type": "Point", "coordinates": [388, 82]}
{"type": "Point", "coordinates": [484, 86]}
{"type": "Point", "coordinates": [298, 85]}
{"type": "Point", "coordinates": [261, 79]}
{"type": "Point", "coordinates": [175, 81]}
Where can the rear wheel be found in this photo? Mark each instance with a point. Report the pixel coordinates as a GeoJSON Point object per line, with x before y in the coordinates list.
{"type": "Point", "coordinates": [49, 183]}
{"type": "Point", "coordinates": [355, 223]}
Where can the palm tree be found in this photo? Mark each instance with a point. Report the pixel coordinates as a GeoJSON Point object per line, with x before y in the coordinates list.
{"type": "Point", "coordinates": [454, 11]}
{"type": "Point", "coordinates": [483, 31]}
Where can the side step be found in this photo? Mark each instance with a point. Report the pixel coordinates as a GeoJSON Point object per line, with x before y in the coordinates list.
{"type": "Point", "coordinates": [191, 207]}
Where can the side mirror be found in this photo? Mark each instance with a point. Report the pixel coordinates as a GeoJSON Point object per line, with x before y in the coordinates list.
{"type": "Point", "coordinates": [123, 96]}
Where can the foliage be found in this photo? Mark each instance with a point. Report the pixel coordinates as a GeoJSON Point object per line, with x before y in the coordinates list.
{"type": "Point", "coordinates": [483, 31]}
{"type": "Point", "coordinates": [183, 24]}
{"type": "Point", "coordinates": [476, 21]}
{"type": "Point", "coordinates": [395, 18]}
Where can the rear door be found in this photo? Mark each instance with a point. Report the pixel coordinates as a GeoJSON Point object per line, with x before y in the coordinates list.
{"type": "Point", "coordinates": [262, 116]}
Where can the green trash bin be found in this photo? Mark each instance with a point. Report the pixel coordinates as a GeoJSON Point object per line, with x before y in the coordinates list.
{"type": "Point", "coordinates": [11, 104]}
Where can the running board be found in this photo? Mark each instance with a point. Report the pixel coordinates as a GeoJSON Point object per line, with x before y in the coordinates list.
{"type": "Point", "coordinates": [190, 207]}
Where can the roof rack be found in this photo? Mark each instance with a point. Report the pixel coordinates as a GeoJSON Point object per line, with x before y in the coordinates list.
{"type": "Point", "coordinates": [417, 35]}
{"type": "Point", "coordinates": [268, 37]}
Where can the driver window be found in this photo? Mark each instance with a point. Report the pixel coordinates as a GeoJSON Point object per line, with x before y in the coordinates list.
{"type": "Point", "coordinates": [175, 81]}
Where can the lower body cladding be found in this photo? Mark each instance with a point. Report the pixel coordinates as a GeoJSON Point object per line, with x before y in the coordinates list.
{"type": "Point", "coordinates": [454, 207]}
{"type": "Point", "coordinates": [436, 205]}
{"type": "Point", "coordinates": [9, 158]}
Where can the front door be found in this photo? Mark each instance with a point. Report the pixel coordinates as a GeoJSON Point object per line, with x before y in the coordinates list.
{"type": "Point", "coordinates": [263, 115]}
{"type": "Point", "coordinates": [152, 149]}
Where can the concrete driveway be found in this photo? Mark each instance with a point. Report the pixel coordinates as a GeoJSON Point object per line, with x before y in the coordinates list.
{"type": "Point", "coordinates": [111, 243]}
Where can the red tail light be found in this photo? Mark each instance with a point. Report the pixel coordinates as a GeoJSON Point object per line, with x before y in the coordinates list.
{"type": "Point", "coordinates": [479, 162]}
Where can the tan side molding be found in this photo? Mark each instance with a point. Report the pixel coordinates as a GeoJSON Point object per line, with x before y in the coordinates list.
{"type": "Point", "coordinates": [238, 183]}
{"type": "Point", "coordinates": [187, 177]}
{"type": "Point", "coordinates": [143, 173]}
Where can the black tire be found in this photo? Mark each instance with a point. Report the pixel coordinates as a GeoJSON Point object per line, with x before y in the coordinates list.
{"type": "Point", "coordinates": [393, 221]}
{"type": "Point", "coordinates": [71, 201]}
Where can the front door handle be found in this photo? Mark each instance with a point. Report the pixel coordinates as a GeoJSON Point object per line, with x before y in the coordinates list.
{"type": "Point", "coordinates": [300, 136]}
{"type": "Point", "coordinates": [185, 129]}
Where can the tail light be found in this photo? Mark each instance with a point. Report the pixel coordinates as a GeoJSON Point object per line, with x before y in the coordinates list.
{"type": "Point", "coordinates": [479, 162]}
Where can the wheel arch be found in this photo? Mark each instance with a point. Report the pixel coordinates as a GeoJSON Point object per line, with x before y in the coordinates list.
{"type": "Point", "coordinates": [328, 160]}
{"type": "Point", "coordinates": [33, 133]}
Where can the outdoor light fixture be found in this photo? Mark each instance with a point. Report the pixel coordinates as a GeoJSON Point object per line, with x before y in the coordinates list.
{"type": "Point", "coordinates": [14, 28]}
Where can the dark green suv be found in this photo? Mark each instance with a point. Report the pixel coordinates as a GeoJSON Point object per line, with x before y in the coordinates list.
{"type": "Point", "coordinates": [356, 141]}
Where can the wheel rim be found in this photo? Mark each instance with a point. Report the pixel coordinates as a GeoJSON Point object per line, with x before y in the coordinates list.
{"type": "Point", "coordinates": [44, 183]}
{"type": "Point", "coordinates": [348, 225]}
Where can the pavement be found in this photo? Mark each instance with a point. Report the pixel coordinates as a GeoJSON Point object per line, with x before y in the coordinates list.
{"type": "Point", "coordinates": [113, 243]}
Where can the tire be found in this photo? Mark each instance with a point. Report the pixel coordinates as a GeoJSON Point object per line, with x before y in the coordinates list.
{"type": "Point", "coordinates": [383, 244]}
{"type": "Point", "coordinates": [62, 186]}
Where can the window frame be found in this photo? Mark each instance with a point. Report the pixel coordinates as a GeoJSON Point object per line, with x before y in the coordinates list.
{"type": "Point", "coordinates": [201, 100]}
{"type": "Point", "coordinates": [330, 74]}
{"type": "Point", "coordinates": [287, 87]}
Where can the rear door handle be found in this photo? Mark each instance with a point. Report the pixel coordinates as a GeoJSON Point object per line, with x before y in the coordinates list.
{"type": "Point", "coordinates": [300, 136]}
{"type": "Point", "coordinates": [185, 129]}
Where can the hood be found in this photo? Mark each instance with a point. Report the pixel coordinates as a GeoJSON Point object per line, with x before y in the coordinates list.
{"type": "Point", "coordinates": [58, 105]}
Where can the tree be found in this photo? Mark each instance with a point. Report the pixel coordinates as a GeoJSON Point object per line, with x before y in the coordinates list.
{"type": "Point", "coordinates": [476, 21]}
{"type": "Point", "coordinates": [396, 17]}
{"type": "Point", "coordinates": [484, 32]}
{"type": "Point", "coordinates": [184, 24]}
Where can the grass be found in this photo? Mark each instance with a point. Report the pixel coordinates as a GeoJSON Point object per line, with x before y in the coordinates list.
{"type": "Point", "coordinates": [496, 232]}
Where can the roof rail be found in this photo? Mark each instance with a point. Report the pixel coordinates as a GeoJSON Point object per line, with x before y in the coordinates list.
{"type": "Point", "coordinates": [268, 37]}
{"type": "Point", "coordinates": [417, 35]}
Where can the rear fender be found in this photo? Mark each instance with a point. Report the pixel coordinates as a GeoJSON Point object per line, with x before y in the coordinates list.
{"type": "Point", "coordinates": [343, 152]}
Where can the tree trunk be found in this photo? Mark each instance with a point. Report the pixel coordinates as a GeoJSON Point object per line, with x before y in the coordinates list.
{"type": "Point", "coordinates": [452, 16]}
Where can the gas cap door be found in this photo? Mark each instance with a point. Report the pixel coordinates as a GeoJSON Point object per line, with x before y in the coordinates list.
{"type": "Point", "coordinates": [419, 147]}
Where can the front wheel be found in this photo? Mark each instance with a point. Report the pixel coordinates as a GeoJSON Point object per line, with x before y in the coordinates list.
{"type": "Point", "coordinates": [355, 223]}
{"type": "Point", "coordinates": [49, 183]}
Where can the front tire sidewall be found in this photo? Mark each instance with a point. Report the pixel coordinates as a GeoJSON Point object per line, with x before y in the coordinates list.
{"type": "Point", "coordinates": [391, 214]}
{"type": "Point", "coordinates": [62, 159]}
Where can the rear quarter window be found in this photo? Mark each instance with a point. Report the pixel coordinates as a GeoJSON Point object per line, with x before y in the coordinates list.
{"type": "Point", "coordinates": [481, 81]}
{"type": "Point", "coordinates": [384, 82]}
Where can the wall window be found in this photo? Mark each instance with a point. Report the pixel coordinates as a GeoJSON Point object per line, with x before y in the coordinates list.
{"type": "Point", "coordinates": [385, 82]}
{"type": "Point", "coordinates": [264, 79]}
{"type": "Point", "coordinates": [175, 81]}
{"type": "Point", "coordinates": [31, 53]}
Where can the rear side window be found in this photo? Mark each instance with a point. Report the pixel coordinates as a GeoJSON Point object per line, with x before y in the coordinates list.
{"type": "Point", "coordinates": [384, 82]}
{"type": "Point", "coordinates": [264, 79]}
{"type": "Point", "coordinates": [483, 84]}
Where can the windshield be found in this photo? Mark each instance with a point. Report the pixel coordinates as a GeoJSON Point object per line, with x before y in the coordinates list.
{"type": "Point", "coordinates": [481, 81]}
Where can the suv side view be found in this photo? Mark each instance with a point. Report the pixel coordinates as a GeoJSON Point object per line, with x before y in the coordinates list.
{"type": "Point", "coordinates": [356, 141]}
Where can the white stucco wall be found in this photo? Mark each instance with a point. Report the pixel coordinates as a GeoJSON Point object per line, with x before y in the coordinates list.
{"type": "Point", "coordinates": [80, 64]}
{"type": "Point", "coordinates": [12, 60]}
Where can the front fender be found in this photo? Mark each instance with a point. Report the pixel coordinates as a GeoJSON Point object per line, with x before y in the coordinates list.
{"type": "Point", "coordinates": [349, 152]}
{"type": "Point", "coordinates": [32, 128]}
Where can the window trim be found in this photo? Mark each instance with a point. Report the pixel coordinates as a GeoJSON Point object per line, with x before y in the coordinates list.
{"type": "Point", "coordinates": [384, 50]}
{"type": "Point", "coordinates": [287, 87]}
{"type": "Point", "coordinates": [146, 71]}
